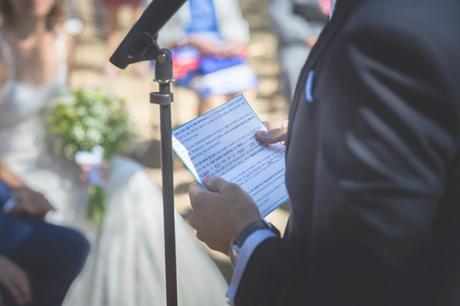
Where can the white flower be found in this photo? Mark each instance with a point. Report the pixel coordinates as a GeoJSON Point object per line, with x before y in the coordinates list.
{"type": "Point", "coordinates": [78, 133]}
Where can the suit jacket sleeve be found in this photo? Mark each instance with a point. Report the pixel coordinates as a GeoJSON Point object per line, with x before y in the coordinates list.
{"type": "Point", "coordinates": [387, 139]}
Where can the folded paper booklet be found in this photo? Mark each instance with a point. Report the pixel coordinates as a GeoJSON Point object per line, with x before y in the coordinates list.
{"type": "Point", "coordinates": [222, 143]}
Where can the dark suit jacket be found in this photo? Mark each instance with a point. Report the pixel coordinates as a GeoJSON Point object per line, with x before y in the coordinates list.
{"type": "Point", "coordinates": [373, 165]}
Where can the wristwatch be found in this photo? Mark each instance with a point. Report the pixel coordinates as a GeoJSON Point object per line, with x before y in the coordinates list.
{"type": "Point", "coordinates": [238, 241]}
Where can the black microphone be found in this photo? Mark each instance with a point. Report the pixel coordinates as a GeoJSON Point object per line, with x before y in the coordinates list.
{"type": "Point", "coordinates": [140, 43]}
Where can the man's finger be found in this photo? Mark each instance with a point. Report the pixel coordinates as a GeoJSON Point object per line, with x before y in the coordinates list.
{"type": "Point", "coordinates": [22, 293]}
{"type": "Point", "coordinates": [215, 184]}
{"type": "Point", "coordinates": [21, 282]}
{"type": "Point", "coordinates": [196, 193]}
{"type": "Point", "coordinates": [15, 292]}
{"type": "Point", "coordinates": [268, 138]}
{"type": "Point", "coordinates": [194, 190]}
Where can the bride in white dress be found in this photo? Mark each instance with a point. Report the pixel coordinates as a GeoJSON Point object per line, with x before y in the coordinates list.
{"type": "Point", "coordinates": [126, 264]}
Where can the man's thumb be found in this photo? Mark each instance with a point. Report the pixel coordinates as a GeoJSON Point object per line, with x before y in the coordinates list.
{"type": "Point", "coordinates": [215, 184]}
{"type": "Point", "coordinates": [268, 138]}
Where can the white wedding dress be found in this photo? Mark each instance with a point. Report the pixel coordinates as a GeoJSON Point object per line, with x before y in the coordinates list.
{"type": "Point", "coordinates": [126, 263]}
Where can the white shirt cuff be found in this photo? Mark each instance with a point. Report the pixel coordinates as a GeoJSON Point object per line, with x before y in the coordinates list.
{"type": "Point", "coordinates": [249, 246]}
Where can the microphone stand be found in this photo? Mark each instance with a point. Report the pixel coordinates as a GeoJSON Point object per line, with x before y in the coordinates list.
{"type": "Point", "coordinates": [140, 44]}
{"type": "Point", "coordinates": [164, 98]}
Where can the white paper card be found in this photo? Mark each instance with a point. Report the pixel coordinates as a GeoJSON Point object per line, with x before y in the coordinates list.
{"type": "Point", "coordinates": [222, 143]}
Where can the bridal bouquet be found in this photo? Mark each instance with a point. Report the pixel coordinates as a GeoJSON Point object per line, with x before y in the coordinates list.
{"type": "Point", "coordinates": [90, 127]}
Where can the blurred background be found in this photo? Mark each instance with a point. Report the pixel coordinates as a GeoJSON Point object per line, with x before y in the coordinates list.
{"type": "Point", "coordinates": [88, 72]}
{"type": "Point", "coordinates": [223, 48]}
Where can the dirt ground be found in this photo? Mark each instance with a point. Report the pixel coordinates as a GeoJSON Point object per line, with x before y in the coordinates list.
{"type": "Point", "coordinates": [269, 103]}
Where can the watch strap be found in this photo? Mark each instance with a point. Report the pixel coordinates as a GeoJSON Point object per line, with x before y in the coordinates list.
{"type": "Point", "coordinates": [251, 228]}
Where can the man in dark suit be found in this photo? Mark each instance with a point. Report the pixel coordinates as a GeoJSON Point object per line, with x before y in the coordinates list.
{"type": "Point", "coordinates": [373, 169]}
{"type": "Point", "coordinates": [38, 260]}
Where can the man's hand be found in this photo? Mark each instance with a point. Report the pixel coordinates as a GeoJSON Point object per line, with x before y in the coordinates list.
{"type": "Point", "coordinates": [276, 132]}
{"type": "Point", "coordinates": [30, 203]}
{"type": "Point", "coordinates": [221, 213]}
{"type": "Point", "coordinates": [15, 280]}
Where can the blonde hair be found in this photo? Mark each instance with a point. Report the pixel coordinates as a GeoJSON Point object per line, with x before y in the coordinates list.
{"type": "Point", "coordinates": [54, 18]}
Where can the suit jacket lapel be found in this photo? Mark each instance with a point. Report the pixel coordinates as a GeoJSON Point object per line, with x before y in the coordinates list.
{"type": "Point", "coordinates": [342, 9]}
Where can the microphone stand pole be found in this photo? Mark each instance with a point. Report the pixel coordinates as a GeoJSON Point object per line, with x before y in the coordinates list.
{"type": "Point", "coordinates": [164, 98]}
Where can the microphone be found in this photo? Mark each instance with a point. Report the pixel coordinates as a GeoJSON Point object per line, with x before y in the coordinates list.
{"type": "Point", "coordinates": [140, 44]}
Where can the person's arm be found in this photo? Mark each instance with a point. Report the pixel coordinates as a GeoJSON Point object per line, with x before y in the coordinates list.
{"type": "Point", "coordinates": [3, 69]}
{"type": "Point", "coordinates": [221, 213]}
{"type": "Point", "coordinates": [15, 280]}
{"type": "Point", "coordinates": [71, 42]}
{"type": "Point", "coordinates": [291, 28]}
{"type": "Point", "coordinates": [28, 202]}
{"type": "Point", "coordinates": [9, 178]}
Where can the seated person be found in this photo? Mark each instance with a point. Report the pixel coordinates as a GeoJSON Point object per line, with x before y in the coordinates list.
{"type": "Point", "coordinates": [209, 41]}
{"type": "Point", "coordinates": [38, 261]}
